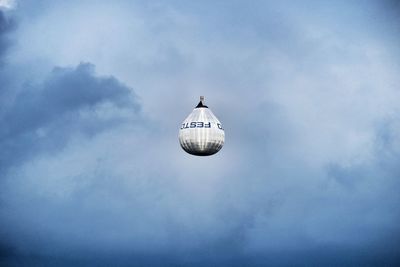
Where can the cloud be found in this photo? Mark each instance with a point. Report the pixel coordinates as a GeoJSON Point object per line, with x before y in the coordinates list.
{"type": "Point", "coordinates": [70, 101]}
{"type": "Point", "coordinates": [7, 4]}
{"type": "Point", "coordinates": [6, 26]}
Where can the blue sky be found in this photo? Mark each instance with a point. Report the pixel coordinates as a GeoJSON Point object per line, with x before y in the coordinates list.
{"type": "Point", "coordinates": [92, 94]}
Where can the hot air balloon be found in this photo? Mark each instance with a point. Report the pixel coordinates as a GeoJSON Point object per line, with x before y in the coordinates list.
{"type": "Point", "coordinates": [201, 133]}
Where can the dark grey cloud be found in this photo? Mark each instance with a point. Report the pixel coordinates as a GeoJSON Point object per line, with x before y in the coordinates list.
{"type": "Point", "coordinates": [71, 100]}
{"type": "Point", "coordinates": [6, 25]}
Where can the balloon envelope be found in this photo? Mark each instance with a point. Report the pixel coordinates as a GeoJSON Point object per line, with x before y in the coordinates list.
{"type": "Point", "coordinates": [201, 133]}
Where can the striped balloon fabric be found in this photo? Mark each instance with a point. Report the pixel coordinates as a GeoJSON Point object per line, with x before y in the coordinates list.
{"type": "Point", "coordinates": [201, 133]}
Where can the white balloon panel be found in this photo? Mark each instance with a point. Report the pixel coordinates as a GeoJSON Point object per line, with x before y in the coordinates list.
{"type": "Point", "coordinates": [201, 133]}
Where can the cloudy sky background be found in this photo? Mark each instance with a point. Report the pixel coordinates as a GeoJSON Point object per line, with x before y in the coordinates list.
{"type": "Point", "coordinates": [92, 94]}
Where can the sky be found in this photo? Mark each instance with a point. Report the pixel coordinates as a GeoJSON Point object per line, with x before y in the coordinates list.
{"type": "Point", "coordinates": [92, 95]}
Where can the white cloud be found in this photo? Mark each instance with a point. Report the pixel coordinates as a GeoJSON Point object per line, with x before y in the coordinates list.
{"type": "Point", "coordinates": [7, 4]}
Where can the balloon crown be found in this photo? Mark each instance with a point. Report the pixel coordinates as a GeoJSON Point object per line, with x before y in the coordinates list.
{"type": "Point", "coordinates": [200, 104]}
